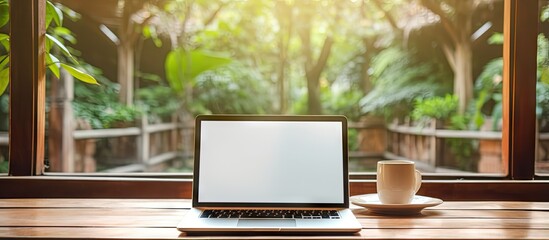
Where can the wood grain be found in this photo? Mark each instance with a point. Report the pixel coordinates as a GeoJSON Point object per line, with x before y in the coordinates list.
{"type": "Point", "coordinates": [172, 233]}
{"type": "Point", "coordinates": [519, 87]}
{"type": "Point", "coordinates": [465, 190]}
{"type": "Point", "coordinates": [27, 87]}
{"type": "Point", "coordinates": [186, 203]}
{"type": "Point", "coordinates": [157, 219]}
{"type": "Point", "coordinates": [127, 187]}
{"type": "Point", "coordinates": [94, 203]}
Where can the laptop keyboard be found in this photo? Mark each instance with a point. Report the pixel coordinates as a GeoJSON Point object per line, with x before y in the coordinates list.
{"type": "Point", "coordinates": [250, 213]}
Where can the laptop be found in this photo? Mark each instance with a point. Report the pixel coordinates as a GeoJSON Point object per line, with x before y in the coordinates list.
{"type": "Point", "coordinates": [270, 174]}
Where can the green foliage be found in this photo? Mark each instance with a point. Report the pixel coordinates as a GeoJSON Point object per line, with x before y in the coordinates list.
{"type": "Point", "coordinates": [234, 88]}
{"type": "Point", "coordinates": [399, 78]}
{"type": "Point", "coordinates": [334, 102]}
{"type": "Point", "coordinates": [99, 104]}
{"type": "Point", "coordinates": [159, 102]}
{"type": "Point", "coordinates": [4, 112]}
{"type": "Point", "coordinates": [462, 149]}
{"type": "Point", "coordinates": [4, 12]}
{"type": "Point", "coordinates": [55, 37]}
{"type": "Point", "coordinates": [544, 13]}
{"type": "Point", "coordinates": [150, 32]}
{"type": "Point", "coordinates": [4, 74]}
{"type": "Point", "coordinates": [182, 67]}
{"type": "Point", "coordinates": [82, 76]}
{"type": "Point", "coordinates": [342, 103]}
{"type": "Point", "coordinates": [542, 100]}
{"type": "Point", "coordinates": [440, 108]}
{"type": "Point", "coordinates": [496, 39]}
{"type": "Point", "coordinates": [353, 139]}
{"type": "Point", "coordinates": [4, 165]}
{"type": "Point", "coordinates": [488, 89]}
{"type": "Point", "coordinates": [542, 87]}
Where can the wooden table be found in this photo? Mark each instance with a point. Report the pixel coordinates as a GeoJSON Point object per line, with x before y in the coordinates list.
{"type": "Point", "coordinates": [157, 218]}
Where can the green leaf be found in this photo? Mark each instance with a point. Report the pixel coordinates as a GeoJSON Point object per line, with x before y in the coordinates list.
{"type": "Point", "coordinates": [157, 42]}
{"type": "Point", "coordinates": [74, 16]}
{"type": "Point", "coordinates": [53, 13]}
{"type": "Point", "coordinates": [53, 64]}
{"type": "Point", "coordinates": [545, 75]}
{"type": "Point", "coordinates": [59, 18]}
{"type": "Point", "coordinates": [4, 13]}
{"type": "Point", "coordinates": [497, 38]}
{"type": "Point", "coordinates": [49, 14]}
{"type": "Point", "coordinates": [173, 73]}
{"type": "Point", "coordinates": [146, 31]}
{"type": "Point", "coordinates": [4, 60]}
{"type": "Point", "coordinates": [183, 66]}
{"type": "Point", "coordinates": [5, 41]}
{"type": "Point", "coordinates": [4, 37]}
{"type": "Point", "coordinates": [80, 75]}
{"type": "Point", "coordinates": [64, 49]}
{"type": "Point", "coordinates": [65, 33]}
{"type": "Point", "coordinates": [4, 79]}
{"type": "Point", "coordinates": [544, 14]}
{"type": "Point", "coordinates": [150, 32]}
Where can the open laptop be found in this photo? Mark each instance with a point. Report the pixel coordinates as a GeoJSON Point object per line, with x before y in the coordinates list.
{"type": "Point", "coordinates": [270, 174]}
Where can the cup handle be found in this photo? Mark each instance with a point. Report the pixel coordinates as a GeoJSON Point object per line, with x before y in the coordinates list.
{"type": "Point", "coordinates": [418, 180]}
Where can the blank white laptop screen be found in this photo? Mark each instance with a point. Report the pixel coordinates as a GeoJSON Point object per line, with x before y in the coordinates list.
{"type": "Point", "coordinates": [271, 162]}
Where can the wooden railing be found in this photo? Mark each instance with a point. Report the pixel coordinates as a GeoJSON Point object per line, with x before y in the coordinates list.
{"type": "Point", "coordinates": [429, 148]}
{"type": "Point", "coordinates": [143, 158]}
{"type": "Point", "coordinates": [143, 134]}
{"type": "Point", "coordinates": [182, 136]}
{"type": "Point", "coordinates": [374, 141]}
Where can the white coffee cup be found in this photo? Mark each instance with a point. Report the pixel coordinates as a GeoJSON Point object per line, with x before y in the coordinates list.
{"type": "Point", "coordinates": [397, 181]}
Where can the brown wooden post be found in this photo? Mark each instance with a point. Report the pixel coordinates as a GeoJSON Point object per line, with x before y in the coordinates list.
{"type": "Point", "coordinates": [519, 87]}
{"type": "Point", "coordinates": [434, 150]}
{"type": "Point", "coordinates": [174, 138]}
{"type": "Point", "coordinates": [61, 141]}
{"type": "Point", "coordinates": [27, 87]}
{"type": "Point", "coordinates": [128, 35]}
{"type": "Point", "coordinates": [143, 145]}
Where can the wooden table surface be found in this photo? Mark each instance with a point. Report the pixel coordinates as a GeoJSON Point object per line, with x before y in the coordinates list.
{"type": "Point", "coordinates": [157, 218]}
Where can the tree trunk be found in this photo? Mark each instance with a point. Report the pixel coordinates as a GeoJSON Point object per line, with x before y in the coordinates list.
{"type": "Point", "coordinates": [313, 66]}
{"type": "Point", "coordinates": [460, 56]}
{"type": "Point", "coordinates": [125, 71]}
{"type": "Point", "coordinates": [314, 106]}
{"type": "Point", "coordinates": [281, 78]}
{"type": "Point", "coordinates": [284, 18]}
{"type": "Point", "coordinates": [463, 74]}
{"type": "Point", "coordinates": [313, 73]}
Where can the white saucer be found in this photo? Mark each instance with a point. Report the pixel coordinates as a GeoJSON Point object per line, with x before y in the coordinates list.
{"type": "Point", "coordinates": [372, 203]}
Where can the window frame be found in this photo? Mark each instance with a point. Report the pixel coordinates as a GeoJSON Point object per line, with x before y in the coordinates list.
{"type": "Point", "coordinates": [27, 110]}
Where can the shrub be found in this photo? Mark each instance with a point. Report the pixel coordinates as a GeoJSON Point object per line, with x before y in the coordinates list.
{"type": "Point", "coordinates": [98, 104]}
{"type": "Point", "coordinates": [440, 108]}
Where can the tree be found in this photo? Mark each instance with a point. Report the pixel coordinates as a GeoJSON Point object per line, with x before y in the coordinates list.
{"type": "Point", "coordinates": [284, 17]}
{"type": "Point", "coordinates": [456, 18]}
{"type": "Point", "coordinates": [178, 19]}
{"type": "Point", "coordinates": [313, 66]}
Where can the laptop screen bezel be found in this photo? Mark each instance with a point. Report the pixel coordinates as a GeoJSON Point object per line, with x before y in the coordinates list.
{"type": "Point", "coordinates": [303, 118]}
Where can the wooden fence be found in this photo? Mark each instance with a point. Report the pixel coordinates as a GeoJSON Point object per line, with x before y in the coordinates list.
{"type": "Point", "coordinates": [430, 148]}
{"type": "Point", "coordinates": [157, 145]}
{"type": "Point", "coordinates": [148, 149]}
{"type": "Point", "coordinates": [175, 142]}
